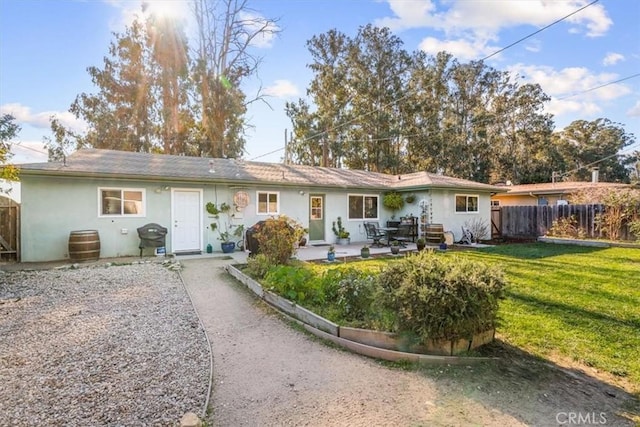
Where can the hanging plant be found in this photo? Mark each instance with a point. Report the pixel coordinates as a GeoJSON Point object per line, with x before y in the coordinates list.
{"type": "Point", "coordinates": [410, 198]}
{"type": "Point", "coordinates": [393, 201]}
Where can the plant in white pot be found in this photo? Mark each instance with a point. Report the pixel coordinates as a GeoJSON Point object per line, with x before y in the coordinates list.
{"type": "Point", "coordinates": [342, 235]}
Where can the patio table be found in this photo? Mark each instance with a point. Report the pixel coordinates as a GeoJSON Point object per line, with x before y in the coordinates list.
{"type": "Point", "coordinates": [390, 231]}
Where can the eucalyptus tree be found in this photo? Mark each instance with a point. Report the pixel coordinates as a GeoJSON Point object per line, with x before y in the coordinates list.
{"type": "Point", "coordinates": [521, 136]}
{"type": "Point", "coordinates": [378, 72]}
{"type": "Point", "coordinates": [123, 114]}
{"type": "Point", "coordinates": [223, 58]}
{"type": "Point", "coordinates": [169, 51]}
{"type": "Point", "coordinates": [427, 100]}
{"type": "Point", "coordinates": [586, 144]}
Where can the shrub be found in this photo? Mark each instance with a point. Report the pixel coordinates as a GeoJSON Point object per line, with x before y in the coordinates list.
{"type": "Point", "coordinates": [479, 229]}
{"type": "Point", "coordinates": [277, 238]}
{"type": "Point", "coordinates": [438, 297]}
{"type": "Point", "coordinates": [567, 227]}
{"type": "Point", "coordinates": [293, 282]}
{"type": "Point", "coordinates": [354, 294]}
{"type": "Point", "coordinates": [258, 266]}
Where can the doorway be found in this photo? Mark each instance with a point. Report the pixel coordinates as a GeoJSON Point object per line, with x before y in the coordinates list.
{"type": "Point", "coordinates": [186, 220]}
{"type": "Point", "coordinates": [316, 218]}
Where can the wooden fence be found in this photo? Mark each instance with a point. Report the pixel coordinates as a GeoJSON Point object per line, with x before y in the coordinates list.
{"type": "Point", "coordinates": [532, 221]}
{"type": "Point", "coordinates": [9, 233]}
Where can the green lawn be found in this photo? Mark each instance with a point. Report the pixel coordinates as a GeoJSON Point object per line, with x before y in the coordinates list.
{"type": "Point", "coordinates": [569, 303]}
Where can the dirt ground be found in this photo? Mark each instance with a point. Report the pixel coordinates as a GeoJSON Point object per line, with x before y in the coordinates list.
{"type": "Point", "coordinates": [268, 372]}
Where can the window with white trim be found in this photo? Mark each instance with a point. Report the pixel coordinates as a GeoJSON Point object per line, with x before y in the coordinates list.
{"type": "Point", "coordinates": [121, 202]}
{"type": "Point", "coordinates": [268, 203]}
{"type": "Point", "coordinates": [363, 206]}
{"type": "Point", "coordinates": [466, 203]}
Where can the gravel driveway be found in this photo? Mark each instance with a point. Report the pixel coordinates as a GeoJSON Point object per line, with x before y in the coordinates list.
{"type": "Point", "coordinates": [117, 345]}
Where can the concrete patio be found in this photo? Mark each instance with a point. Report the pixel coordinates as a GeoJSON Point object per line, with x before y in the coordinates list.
{"type": "Point", "coordinates": [316, 253]}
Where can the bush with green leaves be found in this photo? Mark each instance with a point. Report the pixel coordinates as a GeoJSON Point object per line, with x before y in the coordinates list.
{"type": "Point", "coordinates": [442, 297]}
{"type": "Point", "coordinates": [567, 227]}
{"type": "Point", "coordinates": [354, 294]}
{"type": "Point", "coordinates": [277, 238]}
{"type": "Point", "coordinates": [293, 282]}
{"type": "Point", "coordinates": [258, 266]}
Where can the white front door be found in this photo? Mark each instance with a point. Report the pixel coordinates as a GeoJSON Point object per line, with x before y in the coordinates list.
{"type": "Point", "coordinates": [186, 213]}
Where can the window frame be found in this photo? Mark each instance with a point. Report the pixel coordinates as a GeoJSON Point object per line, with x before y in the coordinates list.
{"type": "Point", "coordinates": [467, 196]}
{"type": "Point", "coordinates": [268, 193]}
{"type": "Point", "coordinates": [123, 214]}
{"type": "Point", "coordinates": [363, 196]}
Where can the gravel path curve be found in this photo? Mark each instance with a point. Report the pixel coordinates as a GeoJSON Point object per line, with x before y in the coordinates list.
{"type": "Point", "coordinates": [99, 345]}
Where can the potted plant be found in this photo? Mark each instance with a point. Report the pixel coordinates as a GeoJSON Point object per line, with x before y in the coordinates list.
{"type": "Point", "coordinates": [395, 247]}
{"type": "Point", "coordinates": [443, 243]}
{"type": "Point", "coordinates": [331, 253]}
{"type": "Point", "coordinates": [410, 198]}
{"type": "Point", "coordinates": [223, 225]}
{"type": "Point", "coordinates": [421, 243]}
{"type": "Point", "coordinates": [342, 235]}
{"type": "Point", "coordinates": [365, 252]}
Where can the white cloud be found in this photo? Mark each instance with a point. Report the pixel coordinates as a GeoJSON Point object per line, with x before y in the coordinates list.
{"type": "Point", "coordinates": [488, 17]}
{"type": "Point", "coordinates": [533, 45]}
{"type": "Point", "coordinates": [635, 110]}
{"type": "Point", "coordinates": [476, 24]}
{"type": "Point", "coordinates": [265, 29]}
{"type": "Point", "coordinates": [282, 89]}
{"type": "Point", "coordinates": [461, 49]}
{"type": "Point", "coordinates": [570, 88]}
{"type": "Point", "coordinates": [612, 58]}
{"type": "Point", "coordinates": [24, 116]}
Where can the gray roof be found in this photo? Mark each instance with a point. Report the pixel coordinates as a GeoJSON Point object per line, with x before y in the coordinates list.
{"type": "Point", "coordinates": [558, 187]}
{"type": "Point", "coordinates": [162, 167]}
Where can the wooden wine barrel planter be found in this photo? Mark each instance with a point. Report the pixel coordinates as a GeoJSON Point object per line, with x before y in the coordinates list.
{"type": "Point", "coordinates": [434, 233]}
{"type": "Point", "coordinates": [84, 245]}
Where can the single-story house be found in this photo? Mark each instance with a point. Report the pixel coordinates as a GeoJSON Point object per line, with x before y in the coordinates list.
{"type": "Point", "coordinates": [115, 192]}
{"type": "Point", "coordinates": [550, 193]}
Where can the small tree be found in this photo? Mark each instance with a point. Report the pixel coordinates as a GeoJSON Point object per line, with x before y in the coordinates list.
{"type": "Point", "coordinates": [277, 238]}
{"type": "Point", "coordinates": [8, 131]}
{"type": "Point", "coordinates": [622, 207]}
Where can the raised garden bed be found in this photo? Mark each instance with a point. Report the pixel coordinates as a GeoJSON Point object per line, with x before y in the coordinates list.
{"type": "Point", "coordinates": [384, 345]}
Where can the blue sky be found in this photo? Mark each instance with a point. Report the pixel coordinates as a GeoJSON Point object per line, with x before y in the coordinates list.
{"type": "Point", "coordinates": [46, 46]}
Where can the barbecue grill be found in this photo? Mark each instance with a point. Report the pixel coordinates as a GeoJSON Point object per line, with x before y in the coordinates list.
{"type": "Point", "coordinates": [151, 236]}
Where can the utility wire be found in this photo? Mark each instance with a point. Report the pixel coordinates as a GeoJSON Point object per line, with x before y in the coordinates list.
{"type": "Point", "coordinates": [598, 87]}
{"type": "Point", "coordinates": [336, 127]}
{"type": "Point", "coordinates": [540, 30]}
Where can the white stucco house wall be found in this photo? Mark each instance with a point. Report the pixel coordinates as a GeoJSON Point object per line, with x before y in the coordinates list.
{"type": "Point", "coordinates": [115, 192]}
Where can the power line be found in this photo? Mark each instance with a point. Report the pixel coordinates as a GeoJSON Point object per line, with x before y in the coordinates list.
{"type": "Point", "coordinates": [601, 86]}
{"type": "Point", "coordinates": [540, 30]}
{"type": "Point", "coordinates": [407, 95]}
{"type": "Point", "coordinates": [620, 153]}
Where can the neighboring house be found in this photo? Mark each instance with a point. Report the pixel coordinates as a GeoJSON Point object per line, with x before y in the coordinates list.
{"type": "Point", "coordinates": [545, 194]}
{"type": "Point", "coordinates": [115, 192]}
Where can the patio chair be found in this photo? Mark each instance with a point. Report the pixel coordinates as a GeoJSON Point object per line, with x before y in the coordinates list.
{"type": "Point", "coordinates": [374, 234]}
{"type": "Point", "coordinates": [403, 234]}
